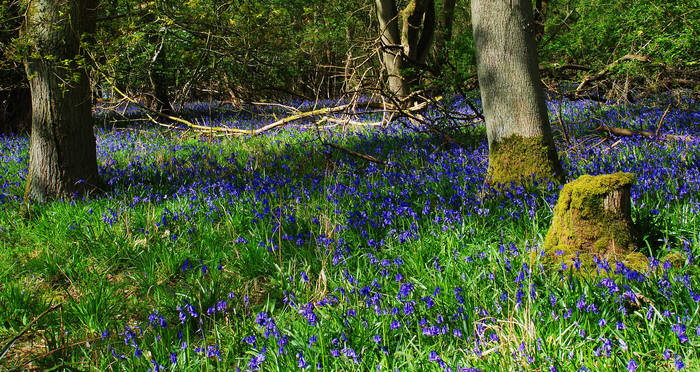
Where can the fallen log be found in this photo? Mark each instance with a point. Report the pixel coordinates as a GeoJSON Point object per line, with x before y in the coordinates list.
{"type": "Point", "coordinates": [624, 132]}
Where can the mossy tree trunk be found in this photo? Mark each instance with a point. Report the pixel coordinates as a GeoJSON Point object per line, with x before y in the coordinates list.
{"type": "Point", "coordinates": [406, 38]}
{"type": "Point", "coordinates": [63, 159]}
{"type": "Point", "coordinates": [517, 123]}
{"type": "Point", "coordinates": [593, 218]}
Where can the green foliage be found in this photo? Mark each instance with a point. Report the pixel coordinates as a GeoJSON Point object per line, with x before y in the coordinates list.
{"type": "Point", "coordinates": [259, 49]}
{"type": "Point", "coordinates": [602, 30]}
{"type": "Point", "coordinates": [596, 32]}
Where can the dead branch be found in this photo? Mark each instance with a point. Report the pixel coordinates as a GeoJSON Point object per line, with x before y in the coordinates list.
{"type": "Point", "coordinates": [27, 328]}
{"type": "Point", "coordinates": [88, 341]}
{"type": "Point", "coordinates": [624, 132]}
{"type": "Point", "coordinates": [344, 122]}
{"type": "Point", "coordinates": [607, 69]}
{"type": "Point", "coordinates": [661, 121]}
{"type": "Point", "coordinates": [369, 158]}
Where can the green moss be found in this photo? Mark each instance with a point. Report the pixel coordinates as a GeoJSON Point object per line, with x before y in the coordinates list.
{"type": "Point", "coordinates": [582, 226]}
{"type": "Point", "coordinates": [516, 158]}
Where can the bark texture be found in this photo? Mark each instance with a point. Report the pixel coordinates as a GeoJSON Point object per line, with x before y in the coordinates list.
{"type": "Point", "coordinates": [63, 161]}
{"type": "Point", "coordinates": [511, 92]}
{"type": "Point", "coordinates": [391, 45]}
{"type": "Point", "coordinates": [406, 37]}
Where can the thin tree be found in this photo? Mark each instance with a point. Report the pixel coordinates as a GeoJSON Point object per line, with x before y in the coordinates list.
{"type": "Point", "coordinates": [517, 123]}
{"type": "Point", "coordinates": [443, 34]}
{"type": "Point", "coordinates": [157, 74]}
{"type": "Point", "coordinates": [63, 161]}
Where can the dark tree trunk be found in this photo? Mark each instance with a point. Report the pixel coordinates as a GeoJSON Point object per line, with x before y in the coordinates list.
{"type": "Point", "coordinates": [160, 79]}
{"type": "Point", "coordinates": [63, 161]}
{"type": "Point", "coordinates": [540, 18]}
{"type": "Point", "coordinates": [517, 123]}
{"type": "Point", "coordinates": [15, 111]}
{"type": "Point", "coordinates": [443, 34]}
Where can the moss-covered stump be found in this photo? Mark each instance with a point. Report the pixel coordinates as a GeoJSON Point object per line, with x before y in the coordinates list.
{"type": "Point", "coordinates": [517, 159]}
{"type": "Point", "coordinates": [592, 218]}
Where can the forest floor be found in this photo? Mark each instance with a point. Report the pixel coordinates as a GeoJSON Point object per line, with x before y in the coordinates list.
{"type": "Point", "coordinates": [281, 252]}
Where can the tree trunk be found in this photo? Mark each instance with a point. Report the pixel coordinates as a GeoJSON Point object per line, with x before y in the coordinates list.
{"type": "Point", "coordinates": [63, 161]}
{"type": "Point", "coordinates": [517, 123]}
{"type": "Point", "coordinates": [158, 74]}
{"type": "Point", "coordinates": [404, 50]}
{"type": "Point", "coordinates": [391, 46]}
{"type": "Point", "coordinates": [443, 34]}
{"type": "Point", "coordinates": [159, 79]}
{"type": "Point", "coordinates": [540, 18]}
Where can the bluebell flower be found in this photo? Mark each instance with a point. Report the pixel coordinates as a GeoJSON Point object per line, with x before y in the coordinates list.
{"type": "Point", "coordinates": [678, 363]}
{"type": "Point", "coordinates": [350, 353]}
{"type": "Point", "coordinates": [256, 361]}
{"type": "Point", "coordinates": [302, 362]}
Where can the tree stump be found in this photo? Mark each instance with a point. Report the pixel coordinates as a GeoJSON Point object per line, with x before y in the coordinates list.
{"type": "Point", "coordinates": [592, 218]}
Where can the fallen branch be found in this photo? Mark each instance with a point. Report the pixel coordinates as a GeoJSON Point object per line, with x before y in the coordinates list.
{"type": "Point", "coordinates": [324, 112]}
{"type": "Point", "coordinates": [349, 122]}
{"type": "Point", "coordinates": [607, 69]}
{"type": "Point", "coordinates": [27, 328]}
{"type": "Point", "coordinates": [661, 121]}
{"type": "Point", "coordinates": [624, 132]}
{"type": "Point", "coordinates": [357, 154]}
{"type": "Point", "coordinates": [256, 132]}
